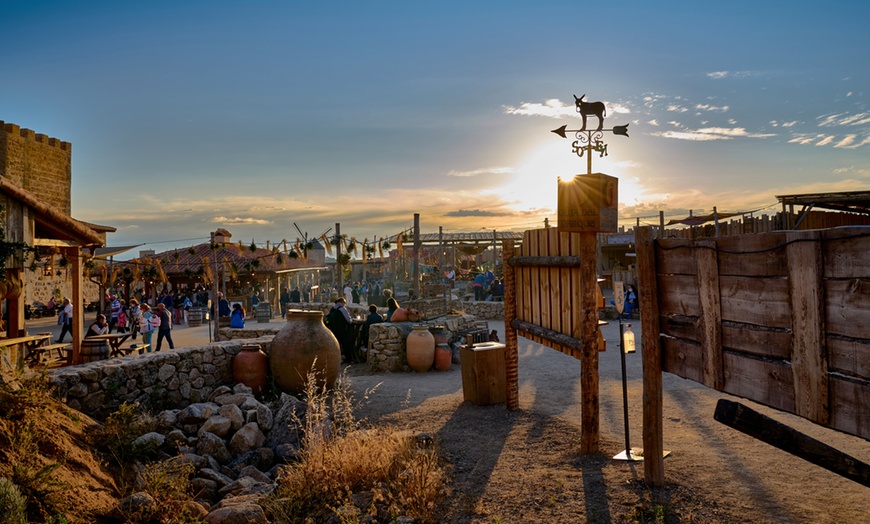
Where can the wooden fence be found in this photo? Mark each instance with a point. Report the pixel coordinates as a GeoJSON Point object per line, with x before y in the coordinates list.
{"type": "Point", "coordinates": [781, 318]}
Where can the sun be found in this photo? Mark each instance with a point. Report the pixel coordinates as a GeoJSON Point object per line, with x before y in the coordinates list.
{"type": "Point", "coordinates": [534, 185]}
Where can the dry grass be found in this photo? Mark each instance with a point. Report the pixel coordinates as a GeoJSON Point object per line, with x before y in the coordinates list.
{"type": "Point", "coordinates": [341, 458]}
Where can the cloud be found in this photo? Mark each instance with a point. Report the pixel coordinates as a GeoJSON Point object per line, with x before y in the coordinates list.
{"type": "Point", "coordinates": [708, 107]}
{"type": "Point", "coordinates": [774, 123]}
{"type": "Point", "coordinates": [850, 141]}
{"type": "Point", "coordinates": [653, 122]}
{"type": "Point", "coordinates": [553, 108]}
{"type": "Point", "coordinates": [718, 75]}
{"type": "Point", "coordinates": [240, 220]}
{"type": "Point", "coordinates": [712, 133]}
{"type": "Point", "coordinates": [482, 171]}
{"type": "Point", "coordinates": [844, 120]}
{"type": "Point", "coordinates": [675, 108]}
{"type": "Point", "coordinates": [474, 213]}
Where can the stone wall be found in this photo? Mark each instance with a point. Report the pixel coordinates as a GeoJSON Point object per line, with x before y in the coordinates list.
{"type": "Point", "coordinates": [386, 351]}
{"type": "Point", "coordinates": [480, 309]}
{"type": "Point", "coordinates": [38, 163]}
{"type": "Point", "coordinates": [174, 378]}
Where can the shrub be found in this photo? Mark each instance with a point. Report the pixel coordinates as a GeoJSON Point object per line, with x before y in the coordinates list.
{"type": "Point", "coordinates": [340, 457]}
{"type": "Point", "coordinates": [12, 503]}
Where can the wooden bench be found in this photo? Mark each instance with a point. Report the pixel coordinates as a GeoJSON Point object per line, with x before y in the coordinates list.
{"type": "Point", "coordinates": [141, 348]}
{"type": "Point", "coordinates": [62, 349]}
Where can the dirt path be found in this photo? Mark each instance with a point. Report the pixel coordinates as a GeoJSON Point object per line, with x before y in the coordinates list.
{"type": "Point", "coordinates": [524, 466]}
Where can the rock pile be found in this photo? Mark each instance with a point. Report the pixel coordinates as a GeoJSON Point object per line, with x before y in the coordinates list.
{"type": "Point", "coordinates": [235, 444]}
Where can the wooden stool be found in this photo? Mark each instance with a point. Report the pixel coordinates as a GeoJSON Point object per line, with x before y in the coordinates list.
{"type": "Point", "coordinates": [484, 379]}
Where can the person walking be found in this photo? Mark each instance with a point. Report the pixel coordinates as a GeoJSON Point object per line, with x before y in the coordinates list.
{"type": "Point", "coordinates": [165, 328]}
{"type": "Point", "coordinates": [145, 326]}
{"type": "Point", "coordinates": [64, 319]}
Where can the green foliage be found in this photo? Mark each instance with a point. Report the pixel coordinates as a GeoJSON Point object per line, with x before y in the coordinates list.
{"type": "Point", "coordinates": [10, 249]}
{"type": "Point", "coordinates": [12, 503]}
{"type": "Point", "coordinates": [118, 435]}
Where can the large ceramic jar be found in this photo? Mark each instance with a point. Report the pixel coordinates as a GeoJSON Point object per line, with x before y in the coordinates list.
{"type": "Point", "coordinates": [443, 357]}
{"type": "Point", "coordinates": [251, 367]}
{"type": "Point", "coordinates": [420, 349]}
{"type": "Point", "coordinates": [304, 344]}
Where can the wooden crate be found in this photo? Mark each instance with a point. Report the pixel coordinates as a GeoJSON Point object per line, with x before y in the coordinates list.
{"type": "Point", "coordinates": [483, 373]}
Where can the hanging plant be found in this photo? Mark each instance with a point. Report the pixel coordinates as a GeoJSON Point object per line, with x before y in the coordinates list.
{"type": "Point", "coordinates": [279, 259]}
{"type": "Point", "coordinates": [253, 246]}
{"type": "Point", "coordinates": [9, 249]}
{"type": "Point", "coordinates": [176, 255]}
{"type": "Point", "coordinates": [255, 263]}
{"type": "Point", "coordinates": [344, 259]}
{"type": "Point", "coordinates": [191, 251]}
{"type": "Point", "coordinates": [64, 261]}
{"type": "Point", "coordinates": [293, 254]}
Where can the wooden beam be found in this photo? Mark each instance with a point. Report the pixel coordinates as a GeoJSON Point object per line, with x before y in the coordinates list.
{"type": "Point", "coordinates": [651, 349]}
{"type": "Point", "coordinates": [809, 363]}
{"type": "Point", "coordinates": [712, 370]}
{"type": "Point", "coordinates": [557, 261]}
{"type": "Point", "coordinates": [78, 315]}
{"type": "Point", "coordinates": [546, 334]}
{"type": "Point", "coordinates": [777, 434]}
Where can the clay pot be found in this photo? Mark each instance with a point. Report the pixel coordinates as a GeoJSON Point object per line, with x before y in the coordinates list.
{"type": "Point", "coordinates": [251, 367]}
{"type": "Point", "coordinates": [405, 315]}
{"type": "Point", "coordinates": [420, 349]}
{"type": "Point", "coordinates": [443, 357]}
{"type": "Point", "coordinates": [304, 344]}
{"type": "Point", "coordinates": [441, 335]}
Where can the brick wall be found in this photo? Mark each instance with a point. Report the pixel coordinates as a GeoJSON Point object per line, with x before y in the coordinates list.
{"type": "Point", "coordinates": [38, 163]}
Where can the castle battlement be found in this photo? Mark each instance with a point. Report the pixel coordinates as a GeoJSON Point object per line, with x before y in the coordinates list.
{"type": "Point", "coordinates": [29, 134]}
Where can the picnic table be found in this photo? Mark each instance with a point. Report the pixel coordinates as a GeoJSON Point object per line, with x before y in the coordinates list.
{"type": "Point", "coordinates": [31, 344]}
{"type": "Point", "coordinates": [115, 340]}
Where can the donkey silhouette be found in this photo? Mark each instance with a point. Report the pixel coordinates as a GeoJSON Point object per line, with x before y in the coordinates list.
{"type": "Point", "coordinates": [590, 108]}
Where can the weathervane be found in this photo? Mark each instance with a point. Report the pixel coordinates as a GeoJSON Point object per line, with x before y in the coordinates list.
{"type": "Point", "coordinates": [589, 141]}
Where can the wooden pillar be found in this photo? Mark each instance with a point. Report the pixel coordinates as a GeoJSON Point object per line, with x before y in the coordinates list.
{"type": "Point", "coordinates": [512, 396]}
{"type": "Point", "coordinates": [416, 270]}
{"type": "Point", "coordinates": [78, 331]}
{"type": "Point", "coordinates": [809, 364]}
{"type": "Point", "coordinates": [589, 419]}
{"type": "Point", "coordinates": [712, 367]}
{"type": "Point", "coordinates": [653, 463]}
{"type": "Point", "coordinates": [338, 267]}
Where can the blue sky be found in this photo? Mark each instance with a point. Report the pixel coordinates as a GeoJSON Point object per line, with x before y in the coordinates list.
{"type": "Point", "coordinates": [186, 116]}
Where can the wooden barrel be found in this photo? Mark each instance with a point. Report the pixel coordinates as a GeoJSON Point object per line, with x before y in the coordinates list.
{"type": "Point", "coordinates": [264, 312]}
{"type": "Point", "coordinates": [194, 317]}
{"type": "Point", "coordinates": [93, 350]}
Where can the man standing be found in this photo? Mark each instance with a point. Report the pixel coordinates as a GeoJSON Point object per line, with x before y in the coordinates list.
{"type": "Point", "coordinates": [285, 300]}
{"type": "Point", "coordinates": [165, 329]}
{"type": "Point", "coordinates": [116, 308]}
{"type": "Point", "coordinates": [338, 321]}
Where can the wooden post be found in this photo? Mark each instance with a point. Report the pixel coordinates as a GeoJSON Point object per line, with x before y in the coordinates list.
{"type": "Point", "coordinates": [78, 314]}
{"type": "Point", "coordinates": [338, 267]}
{"type": "Point", "coordinates": [511, 348]}
{"type": "Point", "coordinates": [416, 271]}
{"type": "Point", "coordinates": [589, 419]}
{"type": "Point", "coordinates": [712, 368]}
{"type": "Point", "coordinates": [809, 364]}
{"type": "Point", "coordinates": [653, 463]}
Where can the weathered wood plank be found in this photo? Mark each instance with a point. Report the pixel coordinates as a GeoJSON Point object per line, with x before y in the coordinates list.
{"type": "Point", "coordinates": [589, 417]}
{"type": "Point", "coordinates": [548, 261]}
{"type": "Point", "coordinates": [566, 281]}
{"type": "Point", "coordinates": [675, 256]}
{"type": "Point", "coordinates": [651, 351]}
{"type": "Point", "coordinates": [768, 382]}
{"type": "Point", "coordinates": [711, 320]}
{"type": "Point", "coordinates": [808, 363]}
{"type": "Point", "coordinates": [682, 358]}
{"type": "Point", "coordinates": [680, 326]}
{"type": "Point", "coordinates": [788, 439]}
{"type": "Point", "coordinates": [845, 253]}
{"type": "Point", "coordinates": [678, 295]}
{"type": "Point", "coordinates": [546, 290]}
{"type": "Point", "coordinates": [549, 335]}
{"type": "Point", "coordinates": [849, 356]}
{"type": "Point", "coordinates": [849, 401]}
{"type": "Point", "coordinates": [847, 307]}
{"type": "Point", "coordinates": [761, 301]}
{"type": "Point", "coordinates": [756, 340]}
{"type": "Point", "coordinates": [753, 255]}
{"type": "Point", "coordinates": [512, 396]}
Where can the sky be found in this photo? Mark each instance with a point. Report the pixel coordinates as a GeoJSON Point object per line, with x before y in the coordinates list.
{"type": "Point", "coordinates": [187, 116]}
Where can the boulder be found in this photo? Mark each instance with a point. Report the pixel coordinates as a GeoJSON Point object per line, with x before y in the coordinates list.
{"type": "Point", "coordinates": [238, 514]}
{"type": "Point", "coordinates": [216, 424]}
{"type": "Point", "coordinates": [149, 441]}
{"type": "Point", "coordinates": [246, 439]}
{"type": "Point", "coordinates": [211, 445]}
{"type": "Point", "coordinates": [197, 413]}
{"type": "Point", "coordinates": [234, 414]}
